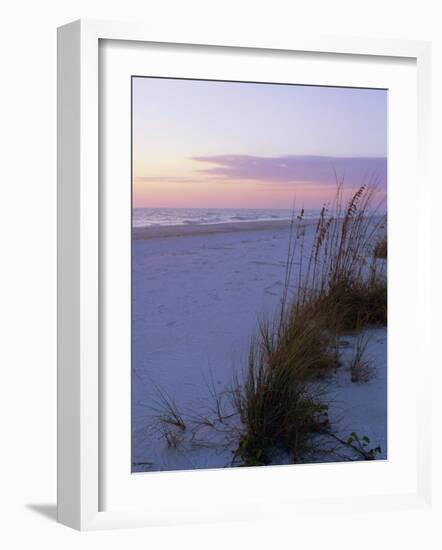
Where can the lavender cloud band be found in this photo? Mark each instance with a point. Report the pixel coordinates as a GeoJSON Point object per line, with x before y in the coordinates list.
{"type": "Point", "coordinates": [296, 168]}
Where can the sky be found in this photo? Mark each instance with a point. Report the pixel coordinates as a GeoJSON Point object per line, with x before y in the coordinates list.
{"type": "Point", "coordinates": [212, 144]}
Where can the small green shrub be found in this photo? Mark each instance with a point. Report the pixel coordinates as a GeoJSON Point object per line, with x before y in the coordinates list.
{"type": "Point", "coordinates": [361, 446]}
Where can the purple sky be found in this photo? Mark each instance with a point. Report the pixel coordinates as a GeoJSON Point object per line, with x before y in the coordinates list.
{"type": "Point", "coordinates": [229, 144]}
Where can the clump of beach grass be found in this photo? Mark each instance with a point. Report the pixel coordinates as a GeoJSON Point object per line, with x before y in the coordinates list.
{"type": "Point", "coordinates": [342, 277]}
{"type": "Point", "coordinates": [279, 406]}
{"type": "Point", "coordinates": [361, 369]}
{"type": "Point", "coordinates": [340, 288]}
{"type": "Point", "coordinates": [170, 419]}
{"type": "Point", "coordinates": [354, 303]}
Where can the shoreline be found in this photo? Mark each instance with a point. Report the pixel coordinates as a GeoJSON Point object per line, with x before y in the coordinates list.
{"type": "Point", "coordinates": [165, 231]}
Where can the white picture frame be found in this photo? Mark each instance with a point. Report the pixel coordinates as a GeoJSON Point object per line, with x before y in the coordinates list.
{"type": "Point", "coordinates": [79, 275]}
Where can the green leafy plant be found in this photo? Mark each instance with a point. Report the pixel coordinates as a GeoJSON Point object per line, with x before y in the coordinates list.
{"type": "Point", "coordinates": [361, 446]}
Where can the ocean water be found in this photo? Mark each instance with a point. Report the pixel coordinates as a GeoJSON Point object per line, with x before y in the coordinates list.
{"type": "Point", "coordinates": [158, 217]}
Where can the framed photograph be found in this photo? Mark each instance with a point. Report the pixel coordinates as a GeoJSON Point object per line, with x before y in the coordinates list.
{"type": "Point", "coordinates": [234, 252]}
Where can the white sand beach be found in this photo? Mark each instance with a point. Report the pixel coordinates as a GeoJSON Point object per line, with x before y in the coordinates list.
{"type": "Point", "coordinates": [198, 292]}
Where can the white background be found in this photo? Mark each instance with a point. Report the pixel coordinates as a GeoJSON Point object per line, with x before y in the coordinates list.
{"type": "Point", "coordinates": [28, 276]}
